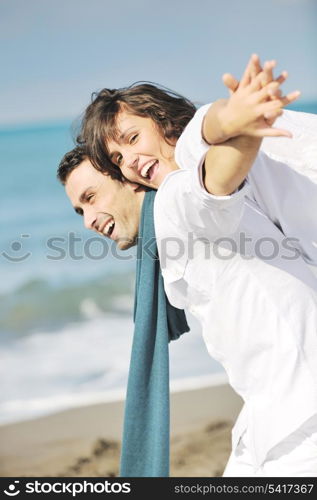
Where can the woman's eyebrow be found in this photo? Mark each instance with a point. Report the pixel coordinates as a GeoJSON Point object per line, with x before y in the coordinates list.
{"type": "Point", "coordinates": [125, 133]}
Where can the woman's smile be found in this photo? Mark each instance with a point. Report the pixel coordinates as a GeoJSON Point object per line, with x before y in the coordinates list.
{"type": "Point", "coordinates": [141, 152]}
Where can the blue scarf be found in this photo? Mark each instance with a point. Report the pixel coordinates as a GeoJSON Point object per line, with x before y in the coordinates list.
{"type": "Point", "coordinates": [146, 433]}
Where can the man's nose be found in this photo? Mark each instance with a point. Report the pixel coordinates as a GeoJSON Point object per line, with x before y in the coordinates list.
{"type": "Point", "coordinates": [89, 219]}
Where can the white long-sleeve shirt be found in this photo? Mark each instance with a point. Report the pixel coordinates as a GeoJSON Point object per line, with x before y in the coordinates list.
{"type": "Point", "coordinates": [283, 179]}
{"type": "Point", "coordinates": [257, 307]}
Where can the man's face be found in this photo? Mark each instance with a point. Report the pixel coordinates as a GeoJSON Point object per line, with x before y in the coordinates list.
{"type": "Point", "coordinates": [109, 207]}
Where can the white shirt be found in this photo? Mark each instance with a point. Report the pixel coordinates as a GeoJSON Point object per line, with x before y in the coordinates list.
{"type": "Point", "coordinates": [259, 317]}
{"type": "Point", "coordinates": [283, 180]}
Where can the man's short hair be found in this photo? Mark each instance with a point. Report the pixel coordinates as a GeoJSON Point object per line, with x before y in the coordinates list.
{"type": "Point", "coordinates": [73, 159]}
{"type": "Point", "coordinates": [70, 161]}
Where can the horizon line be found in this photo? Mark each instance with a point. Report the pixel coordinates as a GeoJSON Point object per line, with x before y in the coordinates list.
{"type": "Point", "coordinates": [64, 120]}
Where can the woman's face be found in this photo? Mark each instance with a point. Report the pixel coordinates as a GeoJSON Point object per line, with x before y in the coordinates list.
{"type": "Point", "coordinates": [141, 153]}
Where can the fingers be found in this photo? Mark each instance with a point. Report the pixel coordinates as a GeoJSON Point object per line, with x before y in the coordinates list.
{"type": "Point", "coordinates": [271, 89]}
{"type": "Point", "coordinates": [256, 67]}
{"type": "Point", "coordinates": [261, 84]}
{"type": "Point", "coordinates": [230, 82]}
{"type": "Point", "coordinates": [280, 80]}
{"type": "Point", "coordinates": [283, 76]}
{"type": "Point", "coordinates": [270, 116]}
{"type": "Point", "coordinates": [255, 75]}
{"type": "Point", "coordinates": [268, 107]}
{"type": "Point", "coordinates": [273, 132]}
{"type": "Point", "coordinates": [275, 93]}
{"type": "Point", "coordinates": [250, 69]}
{"type": "Point", "coordinates": [291, 97]}
{"type": "Point", "coordinates": [264, 77]}
{"type": "Point", "coordinates": [284, 100]}
{"type": "Point", "coordinates": [268, 72]}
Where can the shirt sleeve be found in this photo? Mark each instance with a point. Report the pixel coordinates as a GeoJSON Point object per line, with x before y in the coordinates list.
{"type": "Point", "coordinates": [301, 149]}
{"type": "Point", "coordinates": [191, 147]}
{"type": "Point", "coordinates": [209, 216]}
{"type": "Point", "coordinates": [219, 216]}
{"type": "Point", "coordinates": [191, 209]}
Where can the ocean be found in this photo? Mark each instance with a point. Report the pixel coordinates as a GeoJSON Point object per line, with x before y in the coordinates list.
{"type": "Point", "coordinates": [66, 295]}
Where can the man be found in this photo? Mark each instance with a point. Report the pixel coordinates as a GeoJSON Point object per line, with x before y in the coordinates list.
{"type": "Point", "coordinates": [112, 208]}
{"type": "Point", "coordinates": [109, 207]}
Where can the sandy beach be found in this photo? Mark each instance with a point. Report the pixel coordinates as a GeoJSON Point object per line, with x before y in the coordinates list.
{"type": "Point", "coordinates": [85, 441]}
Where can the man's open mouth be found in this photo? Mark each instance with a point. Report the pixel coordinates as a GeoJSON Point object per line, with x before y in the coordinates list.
{"type": "Point", "coordinates": [108, 229]}
{"type": "Point", "coordinates": [149, 170]}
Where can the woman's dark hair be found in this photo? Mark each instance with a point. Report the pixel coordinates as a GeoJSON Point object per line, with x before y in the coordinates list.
{"type": "Point", "coordinates": [170, 111]}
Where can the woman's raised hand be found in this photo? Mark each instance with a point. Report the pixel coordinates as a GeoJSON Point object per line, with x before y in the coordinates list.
{"type": "Point", "coordinates": [255, 102]}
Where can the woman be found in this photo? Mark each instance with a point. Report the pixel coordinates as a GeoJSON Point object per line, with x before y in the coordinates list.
{"type": "Point", "coordinates": [259, 317]}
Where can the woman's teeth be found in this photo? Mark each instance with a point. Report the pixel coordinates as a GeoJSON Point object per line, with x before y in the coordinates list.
{"type": "Point", "coordinates": [145, 170]}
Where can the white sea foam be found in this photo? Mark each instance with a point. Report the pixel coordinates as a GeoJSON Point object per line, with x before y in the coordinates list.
{"type": "Point", "coordinates": [15, 411]}
{"type": "Point", "coordinates": [85, 363]}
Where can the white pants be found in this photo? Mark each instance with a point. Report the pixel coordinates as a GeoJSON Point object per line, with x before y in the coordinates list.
{"type": "Point", "coordinates": [295, 456]}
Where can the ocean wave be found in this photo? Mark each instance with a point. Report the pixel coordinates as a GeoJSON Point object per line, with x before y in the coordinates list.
{"type": "Point", "coordinates": [39, 303]}
{"type": "Point", "coordinates": [49, 371]}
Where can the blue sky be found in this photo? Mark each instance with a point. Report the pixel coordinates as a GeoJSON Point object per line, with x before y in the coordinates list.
{"type": "Point", "coordinates": [54, 53]}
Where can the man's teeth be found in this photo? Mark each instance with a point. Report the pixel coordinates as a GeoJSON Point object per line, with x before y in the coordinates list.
{"type": "Point", "coordinates": [109, 227]}
{"type": "Point", "coordinates": [146, 168]}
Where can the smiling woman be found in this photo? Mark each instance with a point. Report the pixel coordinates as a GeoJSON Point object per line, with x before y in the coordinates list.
{"type": "Point", "coordinates": [141, 153]}
{"type": "Point", "coordinates": [124, 117]}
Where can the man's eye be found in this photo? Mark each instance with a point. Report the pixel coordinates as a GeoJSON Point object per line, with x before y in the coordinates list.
{"type": "Point", "coordinates": [89, 197]}
{"type": "Point", "coordinates": [133, 138]}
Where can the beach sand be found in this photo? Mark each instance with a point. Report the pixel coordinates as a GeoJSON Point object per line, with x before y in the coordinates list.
{"type": "Point", "coordinates": [85, 441]}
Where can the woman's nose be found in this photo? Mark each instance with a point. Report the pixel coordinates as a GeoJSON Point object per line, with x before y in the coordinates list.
{"type": "Point", "coordinates": [130, 159]}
